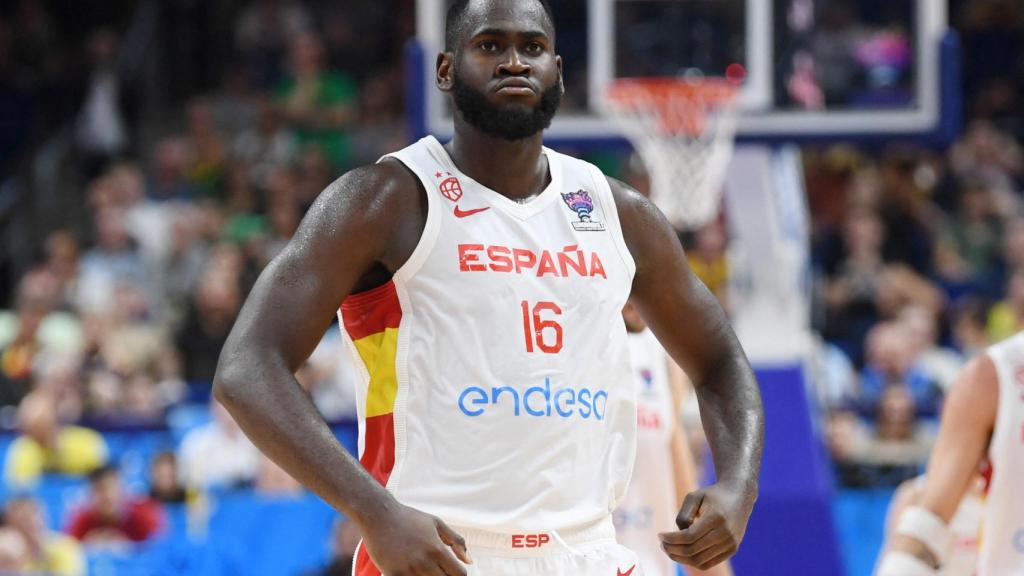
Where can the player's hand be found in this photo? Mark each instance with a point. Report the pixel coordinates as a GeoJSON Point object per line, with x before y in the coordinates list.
{"type": "Point", "coordinates": [711, 524]}
{"type": "Point", "coordinates": [408, 542]}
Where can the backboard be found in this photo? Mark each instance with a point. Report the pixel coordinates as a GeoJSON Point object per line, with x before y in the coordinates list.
{"type": "Point", "coordinates": [813, 69]}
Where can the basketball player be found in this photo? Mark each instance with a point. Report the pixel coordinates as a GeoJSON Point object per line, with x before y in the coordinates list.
{"type": "Point", "coordinates": [665, 470]}
{"type": "Point", "coordinates": [962, 552]}
{"type": "Point", "coordinates": [481, 285]}
{"type": "Point", "coordinates": [984, 411]}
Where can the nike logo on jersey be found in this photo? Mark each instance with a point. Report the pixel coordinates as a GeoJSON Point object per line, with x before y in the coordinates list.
{"type": "Point", "coordinates": [619, 572]}
{"type": "Point", "coordinates": [463, 213]}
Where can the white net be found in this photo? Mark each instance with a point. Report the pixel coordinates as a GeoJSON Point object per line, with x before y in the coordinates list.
{"type": "Point", "coordinates": [683, 130]}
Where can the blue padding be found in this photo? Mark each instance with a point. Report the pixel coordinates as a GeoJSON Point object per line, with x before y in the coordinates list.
{"type": "Point", "coordinates": [791, 530]}
{"type": "Point", "coordinates": [252, 534]}
{"type": "Point", "coordinates": [860, 520]}
{"type": "Point", "coordinates": [60, 497]}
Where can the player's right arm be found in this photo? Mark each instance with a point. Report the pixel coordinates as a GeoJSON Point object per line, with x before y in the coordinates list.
{"type": "Point", "coordinates": [968, 418]}
{"type": "Point", "coordinates": [368, 220]}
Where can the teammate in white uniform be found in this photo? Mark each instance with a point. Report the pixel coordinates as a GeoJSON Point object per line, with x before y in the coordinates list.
{"type": "Point", "coordinates": [480, 285]}
{"type": "Point", "coordinates": [665, 470]}
{"type": "Point", "coordinates": [983, 411]}
{"type": "Point", "coordinates": [964, 527]}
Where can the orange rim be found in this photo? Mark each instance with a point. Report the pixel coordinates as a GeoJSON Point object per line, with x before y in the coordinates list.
{"type": "Point", "coordinates": [682, 105]}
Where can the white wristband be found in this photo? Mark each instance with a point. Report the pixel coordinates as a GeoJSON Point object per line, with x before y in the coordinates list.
{"type": "Point", "coordinates": [924, 526]}
{"type": "Point", "coordinates": [900, 563]}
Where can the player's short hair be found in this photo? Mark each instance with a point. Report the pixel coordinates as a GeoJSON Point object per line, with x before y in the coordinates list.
{"type": "Point", "coordinates": [454, 22]}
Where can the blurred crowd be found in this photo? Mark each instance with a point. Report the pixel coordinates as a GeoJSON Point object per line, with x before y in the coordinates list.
{"type": "Point", "coordinates": [918, 253]}
{"type": "Point", "coordinates": [191, 142]}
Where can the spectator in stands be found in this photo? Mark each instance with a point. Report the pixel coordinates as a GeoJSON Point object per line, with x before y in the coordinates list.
{"type": "Point", "coordinates": [61, 376]}
{"type": "Point", "coordinates": [102, 131]}
{"type": "Point", "coordinates": [329, 376]}
{"type": "Point", "coordinates": [263, 33]}
{"type": "Point", "coordinates": [969, 326]}
{"type": "Point", "coordinates": [245, 220]}
{"type": "Point", "coordinates": [969, 243]}
{"type": "Point", "coordinates": [49, 552]}
{"type": "Point", "coordinates": [111, 516]}
{"type": "Point", "coordinates": [114, 259]}
{"type": "Point", "coordinates": [19, 351]}
{"type": "Point", "coordinates": [892, 362]}
{"type": "Point", "coordinates": [170, 161]}
{"type": "Point", "coordinates": [284, 221]}
{"type": "Point", "coordinates": [884, 454]}
{"type": "Point", "coordinates": [207, 151]}
{"type": "Point", "coordinates": [271, 479]}
{"type": "Point", "coordinates": [13, 552]}
{"type": "Point", "coordinates": [1012, 254]}
{"type": "Point", "coordinates": [62, 253]}
{"type": "Point", "coordinates": [707, 258]}
{"type": "Point", "coordinates": [318, 103]}
{"type": "Point", "coordinates": [906, 212]}
{"type": "Point", "coordinates": [211, 313]}
{"type": "Point", "coordinates": [852, 289]}
{"type": "Point", "coordinates": [164, 484]}
{"type": "Point", "coordinates": [1007, 316]}
{"type": "Point", "coordinates": [266, 146]}
{"type": "Point", "coordinates": [218, 454]}
{"type": "Point", "coordinates": [986, 151]}
{"type": "Point", "coordinates": [344, 539]}
{"type": "Point", "coordinates": [938, 363]}
{"type": "Point", "coordinates": [48, 447]}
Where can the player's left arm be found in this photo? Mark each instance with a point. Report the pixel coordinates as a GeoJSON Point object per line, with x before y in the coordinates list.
{"type": "Point", "coordinates": [694, 330]}
{"type": "Point", "coordinates": [683, 462]}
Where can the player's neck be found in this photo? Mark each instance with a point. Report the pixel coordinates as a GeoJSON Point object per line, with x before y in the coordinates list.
{"type": "Point", "coordinates": [515, 169]}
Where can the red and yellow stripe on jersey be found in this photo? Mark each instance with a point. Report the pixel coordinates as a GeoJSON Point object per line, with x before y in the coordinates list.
{"type": "Point", "coordinates": [371, 320]}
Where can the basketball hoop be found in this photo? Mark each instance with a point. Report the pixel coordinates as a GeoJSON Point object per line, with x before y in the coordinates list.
{"type": "Point", "coordinates": [683, 130]}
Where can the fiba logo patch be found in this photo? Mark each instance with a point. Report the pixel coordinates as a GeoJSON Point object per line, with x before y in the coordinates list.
{"type": "Point", "coordinates": [450, 187]}
{"type": "Point", "coordinates": [581, 203]}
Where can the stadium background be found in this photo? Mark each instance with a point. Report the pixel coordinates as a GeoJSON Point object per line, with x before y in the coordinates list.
{"type": "Point", "coordinates": [155, 155]}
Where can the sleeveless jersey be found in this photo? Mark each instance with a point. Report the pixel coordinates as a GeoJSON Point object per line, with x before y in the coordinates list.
{"type": "Point", "coordinates": [1002, 536]}
{"type": "Point", "coordinates": [495, 389]}
{"type": "Point", "coordinates": [650, 503]}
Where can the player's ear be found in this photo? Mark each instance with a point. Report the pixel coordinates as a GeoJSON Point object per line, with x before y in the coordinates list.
{"type": "Point", "coordinates": [561, 84]}
{"type": "Point", "coordinates": [445, 71]}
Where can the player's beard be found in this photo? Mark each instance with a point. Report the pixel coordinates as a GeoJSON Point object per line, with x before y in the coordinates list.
{"type": "Point", "coordinates": [509, 122]}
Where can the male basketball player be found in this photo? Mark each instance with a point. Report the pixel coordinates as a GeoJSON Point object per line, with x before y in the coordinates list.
{"type": "Point", "coordinates": [481, 285]}
{"type": "Point", "coordinates": [983, 411]}
{"type": "Point", "coordinates": [664, 471]}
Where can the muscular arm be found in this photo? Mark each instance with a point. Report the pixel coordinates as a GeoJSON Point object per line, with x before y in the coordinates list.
{"type": "Point", "coordinates": [683, 462]}
{"type": "Point", "coordinates": [283, 319]}
{"type": "Point", "coordinates": [968, 418]}
{"type": "Point", "coordinates": [368, 220]}
{"type": "Point", "coordinates": [691, 326]}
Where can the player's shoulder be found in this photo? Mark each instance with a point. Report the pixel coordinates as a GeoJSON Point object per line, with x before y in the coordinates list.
{"type": "Point", "coordinates": [383, 191]}
{"type": "Point", "coordinates": [628, 198]}
{"type": "Point", "coordinates": [644, 228]}
{"type": "Point", "coordinates": [385, 182]}
{"type": "Point", "coordinates": [975, 392]}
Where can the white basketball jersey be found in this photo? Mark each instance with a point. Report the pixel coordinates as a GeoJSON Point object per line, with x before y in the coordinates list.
{"type": "Point", "coordinates": [495, 386]}
{"type": "Point", "coordinates": [1002, 536]}
{"type": "Point", "coordinates": [650, 503]}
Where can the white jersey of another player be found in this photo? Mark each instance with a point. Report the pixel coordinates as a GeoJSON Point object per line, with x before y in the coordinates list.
{"type": "Point", "coordinates": [650, 504]}
{"type": "Point", "coordinates": [1002, 535]}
